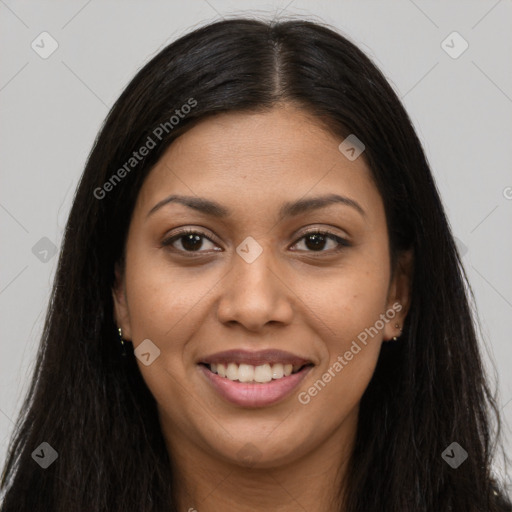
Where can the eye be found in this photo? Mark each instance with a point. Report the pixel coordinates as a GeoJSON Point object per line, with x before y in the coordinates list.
{"type": "Point", "coordinates": [190, 240]}
{"type": "Point", "coordinates": [316, 240]}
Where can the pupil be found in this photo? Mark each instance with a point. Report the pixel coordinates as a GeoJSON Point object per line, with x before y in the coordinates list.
{"type": "Point", "coordinates": [192, 242]}
{"type": "Point", "coordinates": [318, 241]}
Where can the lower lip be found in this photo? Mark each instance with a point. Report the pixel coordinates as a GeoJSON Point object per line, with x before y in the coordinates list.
{"type": "Point", "coordinates": [255, 394]}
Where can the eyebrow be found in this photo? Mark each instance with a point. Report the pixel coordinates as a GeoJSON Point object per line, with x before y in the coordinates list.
{"type": "Point", "coordinates": [289, 209]}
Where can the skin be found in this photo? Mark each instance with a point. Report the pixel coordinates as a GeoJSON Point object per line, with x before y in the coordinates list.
{"type": "Point", "coordinates": [313, 303]}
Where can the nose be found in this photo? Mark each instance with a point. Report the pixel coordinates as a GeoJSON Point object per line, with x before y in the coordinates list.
{"type": "Point", "coordinates": [256, 294]}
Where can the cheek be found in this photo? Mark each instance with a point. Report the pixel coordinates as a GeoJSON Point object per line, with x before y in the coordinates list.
{"type": "Point", "coordinates": [163, 298]}
{"type": "Point", "coordinates": [350, 306]}
{"type": "Point", "coordinates": [350, 352]}
{"type": "Point", "coordinates": [352, 299]}
{"type": "Point", "coordinates": [164, 306]}
{"type": "Point", "coordinates": [354, 340]}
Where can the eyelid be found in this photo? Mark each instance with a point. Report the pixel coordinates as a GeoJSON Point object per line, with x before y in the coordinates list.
{"type": "Point", "coordinates": [323, 231]}
{"type": "Point", "coordinates": [169, 240]}
{"type": "Point", "coordinates": [342, 242]}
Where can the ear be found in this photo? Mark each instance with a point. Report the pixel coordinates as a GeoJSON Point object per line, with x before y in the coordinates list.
{"type": "Point", "coordinates": [399, 295]}
{"type": "Point", "coordinates": [121, 312]}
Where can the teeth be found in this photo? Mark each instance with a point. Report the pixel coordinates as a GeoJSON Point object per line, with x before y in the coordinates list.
{"type": "Point", "coordinates": [232, 371]}
{"type": "Point", "coordinates": [249, 373]}
{"type": "Point", "coordinates": [263, 373]}
{"type": "Point", "coordinates": [245, 373]}
{"type": "Point", "coordinates": [277, 371]}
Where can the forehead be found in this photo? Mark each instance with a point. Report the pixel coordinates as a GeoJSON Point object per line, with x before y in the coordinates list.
{"type": "Point", "coordinates": [250, 160]}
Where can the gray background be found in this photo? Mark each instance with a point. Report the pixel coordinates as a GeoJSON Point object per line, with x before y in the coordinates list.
{"type": "Point", "coordinates": [51, 110]}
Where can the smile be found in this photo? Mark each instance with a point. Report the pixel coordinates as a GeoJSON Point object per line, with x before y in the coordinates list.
{"type": "Point", "coordinates": [250, 373]}
{"type": "Point", "coordinates": [253, 394]}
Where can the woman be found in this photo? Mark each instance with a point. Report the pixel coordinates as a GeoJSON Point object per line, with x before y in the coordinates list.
{"type": "Point", "coordinates": [259, 304]}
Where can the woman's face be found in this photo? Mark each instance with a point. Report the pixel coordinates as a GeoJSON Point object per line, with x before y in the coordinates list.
{"type": "Point", "coordinates": [253, 280]}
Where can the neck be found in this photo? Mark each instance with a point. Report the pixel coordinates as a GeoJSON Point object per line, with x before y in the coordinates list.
{"type": "Point", "coordinates": [313, 482]}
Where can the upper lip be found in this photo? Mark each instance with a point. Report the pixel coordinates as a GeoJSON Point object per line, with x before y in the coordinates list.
{"type": "Point", "coordinates": [256, 358]}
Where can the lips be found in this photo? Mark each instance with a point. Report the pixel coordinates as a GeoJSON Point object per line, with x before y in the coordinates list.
{"type": "Point", "coordinates": [253, 394]}
{"type": "Point", "coordinates": [269, 356]}
{"type": "Point", "coordinates": [239, 369]}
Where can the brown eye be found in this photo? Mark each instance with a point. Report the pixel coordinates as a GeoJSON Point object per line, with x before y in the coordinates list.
{"type": "Point", "coordinates": [316, 241]}
{"type": "Point", "coordinates": [190, 240]}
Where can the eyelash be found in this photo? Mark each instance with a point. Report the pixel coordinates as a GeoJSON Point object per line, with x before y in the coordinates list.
{"type": "Point", "coordinates": [343, 243]}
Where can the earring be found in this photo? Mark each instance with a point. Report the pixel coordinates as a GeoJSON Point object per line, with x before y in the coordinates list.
{"type": "Point", "coordinates": [395, 338]}
{"type": "Point", "coordinates": [123, 345]}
